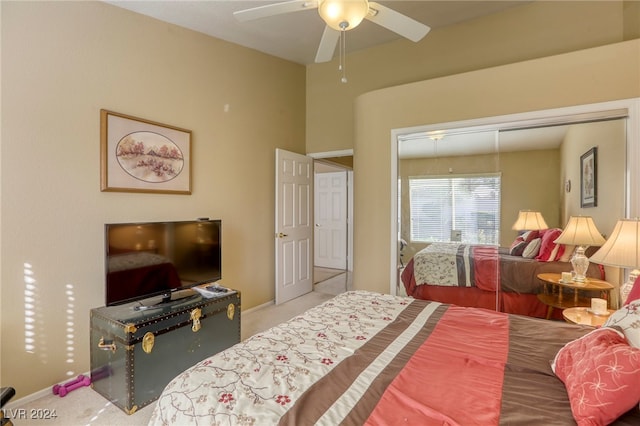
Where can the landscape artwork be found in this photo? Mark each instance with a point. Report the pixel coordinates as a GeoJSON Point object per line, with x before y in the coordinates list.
{"type": "Point", "coordinates": [143, 156]}
{"type": "Point", "coordinates": [149, 157]}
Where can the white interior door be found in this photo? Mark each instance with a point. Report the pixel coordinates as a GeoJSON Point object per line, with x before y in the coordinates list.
{"type": "Point", "coordinates": [330, 239]}
{"type": "Point", "coordinates": [294, 225]}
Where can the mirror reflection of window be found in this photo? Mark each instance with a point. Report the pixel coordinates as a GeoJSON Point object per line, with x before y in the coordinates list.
{"type": "Point", "coordinates": [459, 208]}
{"type": "Point", "coordinates": [533, 165]}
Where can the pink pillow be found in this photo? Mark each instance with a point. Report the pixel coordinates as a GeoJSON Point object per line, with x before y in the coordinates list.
{"type": "Point", "coordinates": [601, 372]}
{"type": "Point", "coordinates": [635, 291]}
{"type": "Point", "coordinates": [550, 251]}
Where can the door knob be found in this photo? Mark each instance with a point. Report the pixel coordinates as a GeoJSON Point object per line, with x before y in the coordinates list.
{"type": "Point", "coordinates": [281, 235]}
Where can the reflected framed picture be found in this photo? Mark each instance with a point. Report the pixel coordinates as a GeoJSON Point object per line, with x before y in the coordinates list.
{"type": "Point", "coordinates": [589, 178]}
{"type": "Point", "coordinates": [138, 155]}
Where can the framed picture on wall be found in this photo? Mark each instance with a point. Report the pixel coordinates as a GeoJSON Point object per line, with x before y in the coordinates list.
{"type": "Point", "coordinates": [138, 155]}
{"type": "Point", "coordinates": [589, 178]}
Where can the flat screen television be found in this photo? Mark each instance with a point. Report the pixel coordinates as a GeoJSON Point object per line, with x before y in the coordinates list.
{"type": "Point", "coordinates": [150, 259]}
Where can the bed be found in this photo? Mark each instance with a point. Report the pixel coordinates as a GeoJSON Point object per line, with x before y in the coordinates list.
{"type": "Point", "coordinates": [468, 275]}
{"type": "Point", "coordinates": [367, 358]}
{"type": "Point", "coordinates": [136, 273]}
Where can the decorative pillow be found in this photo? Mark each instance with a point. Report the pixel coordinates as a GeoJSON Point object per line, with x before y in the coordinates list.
{"type": "Point", "coordinates": [627, 319]}
{"type": "Point", "coordinates": [521, 242]}
{"type": "Point", "coordinates": [550, 251]}
{"type": "Point", "coordinates": [532, 249]}
{"type": "Point", "coordinates": [518, 248]}
{"type": "Point", "coordinates": [602, 375]}
{"type": "Point", "coordinates": [567, 254]}
{"type": "Point", "coordinates": [635, 291]}
{"type": "Point", "coordinates": [515, 242]}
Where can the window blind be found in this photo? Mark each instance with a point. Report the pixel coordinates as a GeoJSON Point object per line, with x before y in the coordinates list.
{"type": "Point", "coordinates": [463, 208]}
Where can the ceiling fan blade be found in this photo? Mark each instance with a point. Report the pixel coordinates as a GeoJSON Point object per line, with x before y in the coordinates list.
{"type": "Point", "coordinates": [397, 22]}
{"type": "Point", "coordinates": [328, 44]}
{"type": "Point", "coordinates": [274, 9]}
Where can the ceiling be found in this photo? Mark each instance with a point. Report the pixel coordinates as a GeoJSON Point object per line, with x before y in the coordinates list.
{"type": "Point", "coordinates": [296, 36]}
{"type": "Point", "coordinates": [422, 145]}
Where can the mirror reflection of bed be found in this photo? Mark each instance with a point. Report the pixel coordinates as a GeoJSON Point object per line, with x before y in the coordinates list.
{"type": "Point", "coordinates": [139, 272]}
{"type": "Point", "coordinates": [532, 167]}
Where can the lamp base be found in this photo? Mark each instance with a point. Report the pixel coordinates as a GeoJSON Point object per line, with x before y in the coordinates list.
{"type": "Point", "coordinates": [580, 264]}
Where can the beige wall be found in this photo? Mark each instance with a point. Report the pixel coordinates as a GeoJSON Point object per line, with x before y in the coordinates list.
{"type": "Point", "coordinates": [61, 63]}
{"type": "Point", "coordinates": [609, 137]}
{"type": "Point", "coordinates": [529, 182]}
{"type": "Point", "coordinates": [532, 30]}
{"type": "Point", "coordinates": [594, 75]}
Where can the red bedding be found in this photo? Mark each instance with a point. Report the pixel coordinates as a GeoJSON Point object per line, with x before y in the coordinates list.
{"type": "Point", "coordinates": [480, 376]}
{"type": "Point", "coordinates": [488, 266]}
{"type": "Point", "coordinates": [485, 266]}
{"type": "Point", "coordinates": [366, 358]}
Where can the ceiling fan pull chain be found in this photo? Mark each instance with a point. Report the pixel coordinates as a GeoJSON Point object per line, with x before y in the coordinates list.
{"type": "Point", "coordinates": [343, 54]}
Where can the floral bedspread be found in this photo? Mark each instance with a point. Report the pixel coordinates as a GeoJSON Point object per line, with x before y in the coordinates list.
{"type": "Point", "coordinates": [258, 380]}
{"type": "Point", "coordinates": [444, 264]}
{"type": "Point", "coordinates": [363, 358]}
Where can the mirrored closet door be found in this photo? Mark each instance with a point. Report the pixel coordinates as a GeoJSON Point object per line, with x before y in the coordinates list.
{"type": "Point", "coordinates": [461, 193]}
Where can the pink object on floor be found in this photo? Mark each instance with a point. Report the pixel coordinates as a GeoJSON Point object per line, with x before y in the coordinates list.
{"type": "Point", "coordinates": [76, 383]}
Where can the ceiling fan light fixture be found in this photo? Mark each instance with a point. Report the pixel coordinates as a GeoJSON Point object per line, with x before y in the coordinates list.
{"type": "Point", "coordinates": [342, 15]}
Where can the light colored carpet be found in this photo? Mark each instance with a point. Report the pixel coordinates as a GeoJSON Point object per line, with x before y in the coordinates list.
{"type": "Point", "coordinates": [83, 406]}
{"type": "Point", "coordinates": [86, 407]}
{"type": "Point", "coordinates": [322, 274]}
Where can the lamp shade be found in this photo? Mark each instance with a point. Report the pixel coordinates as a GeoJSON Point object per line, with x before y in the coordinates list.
{"type": "Point", "coordinates": [580, 231]}
{"type": "Point", "coordinates": [622, 248]}
{"type": "Point", "coordinates": [529, 221]}
{"type": "Point", "coordinates": [343, 14]}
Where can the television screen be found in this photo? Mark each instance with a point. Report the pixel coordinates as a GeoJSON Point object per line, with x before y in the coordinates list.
{"type": "Point", "coordinates": [158, 258]}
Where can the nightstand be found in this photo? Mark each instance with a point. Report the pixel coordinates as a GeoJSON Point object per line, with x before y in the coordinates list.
{"type": "Point", "coordinates": [554, 295]}
{"type": "Point", "coordinates": [584, 316]}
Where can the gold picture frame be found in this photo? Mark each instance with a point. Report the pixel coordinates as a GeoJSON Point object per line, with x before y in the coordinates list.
{"type": "Point", "coordinates": [138, 155]}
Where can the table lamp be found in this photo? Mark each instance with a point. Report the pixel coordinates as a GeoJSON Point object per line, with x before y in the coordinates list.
{"type": "Point", "coordinates": [622, 249]}
{"type": "Point", "coordinates": [582, 233]}
{"type": "Point", "coordinates": [529, 220]}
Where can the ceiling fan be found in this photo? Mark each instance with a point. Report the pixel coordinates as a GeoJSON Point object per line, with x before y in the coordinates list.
{"type": "Point", "coordinates": [341, 16]}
